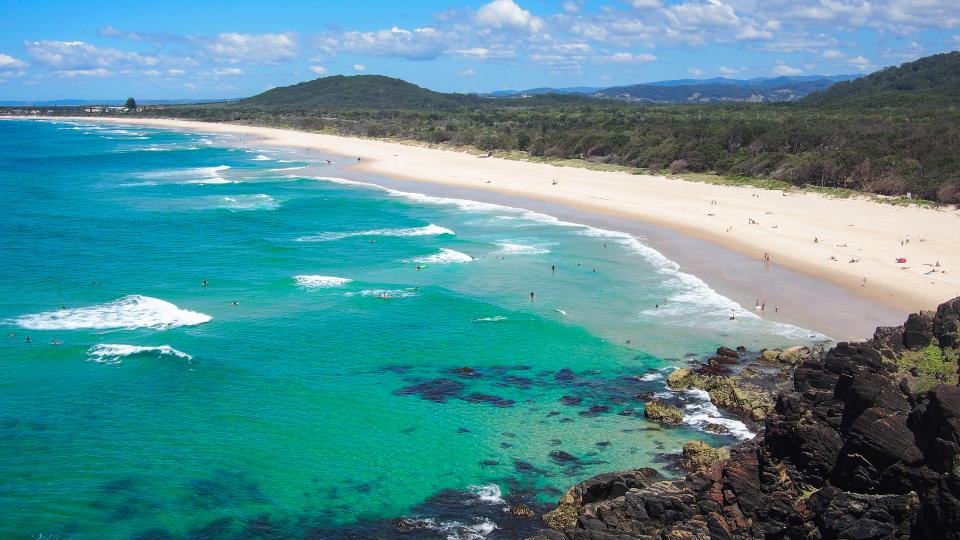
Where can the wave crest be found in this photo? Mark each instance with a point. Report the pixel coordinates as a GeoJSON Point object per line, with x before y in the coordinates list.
{"type": "Point", "coordinates": [133, 311]}
{"type": "Point", "coordinates": [109, 353]}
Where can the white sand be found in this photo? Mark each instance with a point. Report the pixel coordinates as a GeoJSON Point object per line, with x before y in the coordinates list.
{"type": "Point", "coordinates": [856, 229]}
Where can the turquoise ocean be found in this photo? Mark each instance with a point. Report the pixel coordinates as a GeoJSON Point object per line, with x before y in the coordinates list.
{"type": "Point", "coordinates": [314, 388]}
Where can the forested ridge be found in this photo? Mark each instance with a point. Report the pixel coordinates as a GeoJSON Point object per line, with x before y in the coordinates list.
{"type": "Point", "coordinates": [892, 132]}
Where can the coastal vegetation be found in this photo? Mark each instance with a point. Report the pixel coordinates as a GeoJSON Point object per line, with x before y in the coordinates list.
{"type": "Point", "coordinates": [893, 133]}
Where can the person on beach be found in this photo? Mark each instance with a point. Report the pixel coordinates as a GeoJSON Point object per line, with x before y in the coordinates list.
{"type": "Point", "coordinates": [763, 306]}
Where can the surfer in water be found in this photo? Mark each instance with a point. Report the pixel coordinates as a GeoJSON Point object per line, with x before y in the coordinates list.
{"type": "Point", "coordinates": [204, 283]}
{"type": "Point", "coordinates": [234, 303]}
{"type": "Point", "coordinates": [532, 296]}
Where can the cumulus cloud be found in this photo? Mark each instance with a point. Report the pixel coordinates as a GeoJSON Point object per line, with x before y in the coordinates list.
{"type": "Point", "coordinates": [79, 56]}
{"type": "Point", "coordinates": [482, 53]}
{"type": "Point", "coordinates": [227, 71]}
{"type": "Point", "coordinates": [9, 62]}
{"type": "Point", "coordinates": [234, 48]}
{"type": "Point", "coordinates": [359, 67]}
{"type": "Point", "coordinates": [695, 72]}
{"type": "Point", "coordinates": [861, 63]}
{"type": "Point", "coordinates": [507, 15]}
{"type": "Point", "coordinates": [625, 58]}
{"type": "Point", "coordinates": [70, 73]}
{"type": "Point", "coordinates": [176, 72]}
{"type": "Point", "coordinates": [419, 44]}
{"type": "Point", "coordinates": [783, 69]}
{"type": "Point", "coordinates": [319, 70]}
{"type": "Point", "coordinates": [570, 7]}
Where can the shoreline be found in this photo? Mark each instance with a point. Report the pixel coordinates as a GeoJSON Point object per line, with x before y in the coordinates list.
{"type": "Point", "coordinates": [703, 223]}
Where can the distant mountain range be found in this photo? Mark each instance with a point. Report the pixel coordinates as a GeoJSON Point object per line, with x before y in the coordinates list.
{"type": "Point", "coordinates": [718, 89]}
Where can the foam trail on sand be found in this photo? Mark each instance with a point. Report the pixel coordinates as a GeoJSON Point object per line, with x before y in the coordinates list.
{"type": "Point", "coordinates": [109, 353]}
{"type": "Point", "coordinates": [133, 311]}
{"type": "Point", "coordinates": [316, 282]}
{"type": "Point", "coordinates": [429, 230]}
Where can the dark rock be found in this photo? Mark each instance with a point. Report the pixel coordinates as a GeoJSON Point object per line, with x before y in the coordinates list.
{"type": "Point", "coordinates": [603, 443]}
{"type": "Point", "coordinates": [489, 462]}
{"type": "Point", "coordinates": [727, 352]}
{"type": "Point", "coordinates": [437, 390]}
{"type": "Point", "coordinates": [659, 410]}
{"type": "Point", "coordinates": [492, 400]}
{"type": "Point", "coordinates": [571, 400]}
{"type": "Point", "coordinates": [716, 428]}
{"type": "Point", "coordinates": [852, 450]}
{"type": "Point", "coordinates": [561, 456]}
{"type": "Point", "coordinates": [411, 524]}
{"type": "Point", "coordinates": [463, 430]}
{"type": "Point", "coordinates": [521, 510]}
{"type": "Point", "coordinates": [465, 372]}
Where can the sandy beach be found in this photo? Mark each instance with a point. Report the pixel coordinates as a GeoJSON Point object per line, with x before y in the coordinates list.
{"type": "Point", "coordinates": [853, 243]}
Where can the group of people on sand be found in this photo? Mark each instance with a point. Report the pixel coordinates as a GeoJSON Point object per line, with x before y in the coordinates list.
{"type": "Point", "coordinates": [762, 306]}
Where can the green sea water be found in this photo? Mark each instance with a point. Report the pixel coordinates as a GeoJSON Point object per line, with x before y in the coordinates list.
{"type": "Point", "coordinates": [313, 385]}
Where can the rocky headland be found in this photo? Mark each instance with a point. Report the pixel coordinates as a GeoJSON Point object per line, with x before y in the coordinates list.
{"type": "Point", "coordinates": [861, 441]}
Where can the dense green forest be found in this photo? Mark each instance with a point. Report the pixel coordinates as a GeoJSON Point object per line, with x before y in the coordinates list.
{"type": "Point", "coordinates": [892, 132]}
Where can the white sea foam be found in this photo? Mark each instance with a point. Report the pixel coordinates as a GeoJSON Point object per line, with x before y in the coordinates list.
{"type": "Point", "coordinates": [262, 157]}
{"type": "Point", "coordinates": [489, 493]}
{"type": "Point", "coordinates": [490, 319]}
{"type": "Point", "coordinates": [138, 184]}
{"type": "Point", "coordinates": [518, 249]}
{"type": "Point", "coordinates": [133, 311]}
{"type": "Point", "coordinates": [316, 282]}
{"type": "Point", "coordinates": [443, 256]}
{"type": "Point", "coordinates": [651, 377]}
{"type": "Point", "coordinates": [108, 353]}
{"type": "Point", "coordinates": [284, 169]}
{"type": "Point", "coordinates": [383, 293]}
{"type": "Point", "coordinates": [696, 303]}
{"type": "Point", "coordinates": [259, 201]}
{"type": "Point", "coordinates": [429, 230]}
{"type": "Point", "coordinates": [699, 411]}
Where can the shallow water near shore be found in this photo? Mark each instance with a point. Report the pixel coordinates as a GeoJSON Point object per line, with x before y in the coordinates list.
{"type": "Point", "coordinates": [314, 385]}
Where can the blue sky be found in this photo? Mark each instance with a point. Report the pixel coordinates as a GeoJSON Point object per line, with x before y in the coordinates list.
{"type": "Point", "coordinates": [205, 49]}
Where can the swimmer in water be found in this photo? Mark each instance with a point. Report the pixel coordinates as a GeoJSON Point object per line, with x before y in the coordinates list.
{"type": "Point", "coordinates": [234, 303]}
{"type": "Point", "coordinates": [532, 296]}
{"type": "Point", "coordinates": [204, 283]}
{"type": "Point", "coordinates": [553, 268]}
{"type": "Point", "coordinates": [28, 339]}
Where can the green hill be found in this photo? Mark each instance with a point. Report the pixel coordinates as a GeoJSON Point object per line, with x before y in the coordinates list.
{"type": "Point", "coordinates": [932, 76]}
{"type": "Point", "coordinates": [356, 92]}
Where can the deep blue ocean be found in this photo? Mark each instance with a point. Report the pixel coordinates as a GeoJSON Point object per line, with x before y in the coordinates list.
{"type": "Point", "coordinates": [312, 388]}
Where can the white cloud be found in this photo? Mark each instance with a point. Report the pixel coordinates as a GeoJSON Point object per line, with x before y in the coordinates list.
{"type": "Point", "coordinates": [359, 67]}
{"type": "Point", "coordinates": [640, 4]}
{"type": "Point", "coordinates": [467, 72]}
{"type": "Point", "coordinates": [506, 14]}
{"type": "Point", "coordinates": [420, 44]}
{"type": "Point", "coordinates": [9, 62]}
{"type": "Point", "coordinates": [832, 54]}
{"type": "Point", "coordinates": [79, 56]}
{"type": "Point", "coordinates": [151, 73]}
{"type": "Point", "coordinates": [910, 51]}
{"type": "Point", "coordinates": [625, 58]}
{"type": "Point", "coordinates": [233, 48]}
{"type": "Point", "coordinates": [783, 69]}
{"type": "Point", "coordinates": [860, 63]}
{"type": "Point", "coordinates": [695, 72]}
{"type": "Point", "coordinates": [319, 70]}
{"type": "Point", "coordinates": [175, 72]}
{"type": "Point", "coordinates": [559, 63]}
{"type": "Point", "coordinates": [570, 7]}
{"type": "Point", "coordinates": [227, 71]}
{"type": "Point", "coordinates": [10, 74]}
{"type": "Point", "coordinates": [70, 73]}
{"type": "Point", "coordinates": [724, 70]}
{"type": "Point", "coordinates": [482, 53]}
